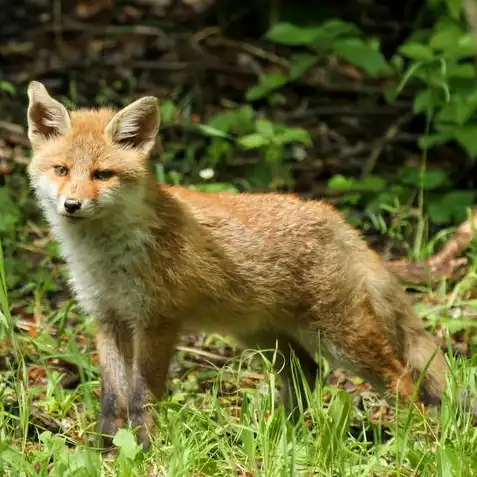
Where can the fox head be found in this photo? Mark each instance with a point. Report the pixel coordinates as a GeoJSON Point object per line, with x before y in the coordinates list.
{"type": "Point", "coordinates": [88, 163]}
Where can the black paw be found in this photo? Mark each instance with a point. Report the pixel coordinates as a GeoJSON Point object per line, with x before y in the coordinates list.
{"type": "Point", "coordinates": [139, 421]}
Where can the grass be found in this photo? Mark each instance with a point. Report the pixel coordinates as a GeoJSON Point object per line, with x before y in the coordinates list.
{"type": "Point", "coordinates": [221, 417]}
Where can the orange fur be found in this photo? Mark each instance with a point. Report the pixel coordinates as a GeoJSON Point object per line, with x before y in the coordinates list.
{"type": "Point", "coordinates": [268, 269]}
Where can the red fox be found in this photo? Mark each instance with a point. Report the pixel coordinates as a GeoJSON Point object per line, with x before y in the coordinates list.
{"type": "Point", "coordinates": [151, 262]}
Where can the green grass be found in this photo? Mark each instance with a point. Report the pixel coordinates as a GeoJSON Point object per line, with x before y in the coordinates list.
{"type": "Point", "coordinates": [221, 416]}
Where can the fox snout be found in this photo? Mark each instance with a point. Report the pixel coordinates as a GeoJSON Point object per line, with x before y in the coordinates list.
{"type": "Point", "coordinates": [72, 205]}
{"type": "Point", "coordinates": [75, 207]}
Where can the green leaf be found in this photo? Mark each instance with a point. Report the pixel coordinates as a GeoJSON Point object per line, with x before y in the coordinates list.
{"type": "Point", "coordinates": [369, 183]}
{"type": "Point", "coordinates": [7, 87]}
{"type": "Point", "coordinates": [215, 187]}
{"type": "Point", "coordinates": [211, 131]}
{"type": "Point", "coordinates": [447, 33]}
{"type": "Point", "coordinates": [264, 127]}
{"type": "Point", "coordinates": [239, 120]}
{"type": "Point", "coordinates": [466, 136]}
{"type": "Point", "coordinates": [321, 36]}
{"type": "Point", "coordinates": [338, 28]}
{"type": "Point", "coordinates": [288, 34]}
{"type": "Point", "coordinates": [300, 63]}
{"type": "Point", "coordinates": [267, 83]}
{"type": "Point", "coordinates": [417, 51]}
{"type": "Point", "coordinates": [352, 198]}
{"type": "Point", "coordinates": [294, 135]}
{"type": "Point", "coordinates": [452, 40]}
{"type": "Point", "coordinates": [465, 71]}
{"type": "Point", "coordinates": [15, 459]}
{"type": "Point", "coordinates": [459, 109]}
{"type": "Point", "coordinates": [337, 424]}
{"type": "Point", "coordinates": [360, 54]}
{"type": "Point", "coordinates": [424, 101]}
{"type": "Point", "coordinates": [455, 8]}
{"type": "Point", "coordinates": [455, 326]}
{"type": "Point", "coordinates": [340, 182]}
{"type": "Point", "coordinates": [253, 141]}
{"type": "Point", "coordinates": [372, 183]}
{"type": "Point", "coordinates": [333, 29]}
{"type": "Point", "coordinates": [448, 464]}
{"type": "Point", "coordinates": [125, 440]}
{"type": "Point", "coordinates": [431, 179]}
{"type": "Point", "coordinates": [427, 141]}
{"type": "Point", "coordinates": [168, 111]}
{"type": "Point", "coordinates": [390, 93]}
{"type": "Point", "coordinates": [460, 198]}
{"type": "Point", "coordinates": [451, 206]}
{"type": "Point", "coordinates": [438, 214]}
{"type": "Point", "coordinates": [465, 46]}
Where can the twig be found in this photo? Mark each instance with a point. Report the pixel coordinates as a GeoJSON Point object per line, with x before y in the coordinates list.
{"type": "Point", "coordinates": [12, 127]}
{"type": "Point", "coordinates": [45, 420]}
{"type": "Point", "coordinates": [250, 49]}
{"type": "Point", "coordinates": [445, 259]}
{"type": "Point", "coordinates": [205, 354]}
{"type": "Point", "coordinates": [407, 271]}
{"type": "Point", "coordinates": [119, 30]}
{"type": "Point", "coordinates": [381, 143]}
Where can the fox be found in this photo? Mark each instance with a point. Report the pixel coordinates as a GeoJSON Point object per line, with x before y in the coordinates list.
{"type": "Point", "coordinates": [273, 271]}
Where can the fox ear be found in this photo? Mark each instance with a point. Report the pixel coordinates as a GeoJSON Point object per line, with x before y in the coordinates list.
{"type": "Point", "coordinates": [47, 117]}
{"type": "Point", "coordinates": [136, 125]}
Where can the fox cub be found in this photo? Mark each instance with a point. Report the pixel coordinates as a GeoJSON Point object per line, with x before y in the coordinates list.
{"type": "Point", "coordinates": [151, 262]}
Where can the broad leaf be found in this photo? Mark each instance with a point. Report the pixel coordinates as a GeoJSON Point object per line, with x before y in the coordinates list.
{"type": "Point", "coordinates": [417, 51]}
{"type": "Point", "coordinates": [267, 83]}
{"type": "Point", "coordinates": [294, 135]}
{"type": "Point", "coordinates": [264, 127]}
{"type": "Point", "coordinates": [288, 34]}
{"type": "Point", "coordinates": [360, 54]}
{"type": "Point", "coordinates": [253, 141]}
{"type": "Point", "coordinates": [466, 136]}
{"type": "Point", "coordinates": [459, 109]}
{"type": "Point", "coordinates": [125, 440]}
{"type": "Point", "coordinates": [428, 180]}
{"type": "Point", "coordinates": [300, 63]}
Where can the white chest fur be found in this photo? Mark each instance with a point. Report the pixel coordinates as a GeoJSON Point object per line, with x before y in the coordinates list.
{"type": "Point", "coordinates": [102, 267]}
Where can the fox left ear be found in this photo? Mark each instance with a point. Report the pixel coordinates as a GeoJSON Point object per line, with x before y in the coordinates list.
{"type": "Point", "coordinates": [47, 117]}
{"type": "Point", "coordinates": [136, 126]}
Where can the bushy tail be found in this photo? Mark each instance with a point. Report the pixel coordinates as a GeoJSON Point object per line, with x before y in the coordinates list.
{"type": "Point", "coordinates": [417, 347]}
{"type": "Point", "coordinates": [426, 361]}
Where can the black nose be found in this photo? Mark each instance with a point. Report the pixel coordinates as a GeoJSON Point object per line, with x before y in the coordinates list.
{"type": "Point", "coordinates": [72, 205]}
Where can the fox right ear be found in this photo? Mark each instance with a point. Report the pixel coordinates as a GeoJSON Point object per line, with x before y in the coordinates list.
{"type": "Point", "coordinates": [47, 117]}
{"type": "Point", "coordinates": [136, 126]}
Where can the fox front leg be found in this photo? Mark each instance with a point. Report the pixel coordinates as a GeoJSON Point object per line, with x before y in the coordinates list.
{"type": "Point", "coordinates": [115, 349]}
{"type": "Point", "coordinates": [153, 350]}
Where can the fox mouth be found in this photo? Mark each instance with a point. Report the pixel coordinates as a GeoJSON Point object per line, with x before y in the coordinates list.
{"type": "Point", "coordinates": [73, 218]}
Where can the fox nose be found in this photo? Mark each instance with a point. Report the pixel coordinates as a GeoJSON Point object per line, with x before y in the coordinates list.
{"type": "Point", "coordinates": [72, 205]}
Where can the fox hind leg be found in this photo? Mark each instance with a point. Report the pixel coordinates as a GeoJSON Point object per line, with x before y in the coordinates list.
{"type": "Point", "coordinates": [290, 352]}
{"type": "Point", "coordinates": [367, 351]}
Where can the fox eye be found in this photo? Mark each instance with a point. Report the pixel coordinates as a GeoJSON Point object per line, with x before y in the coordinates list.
{"type": "Point", "coordinates": [61, 171]}
{"type": "Point", "coordinates": [103, 175]}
